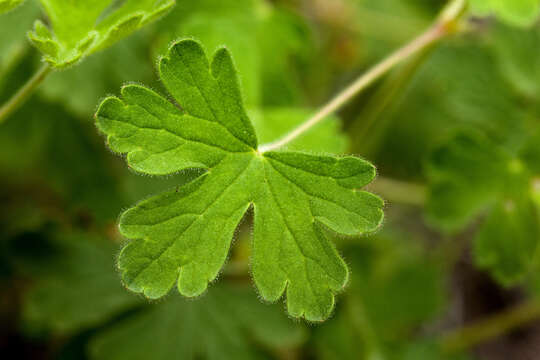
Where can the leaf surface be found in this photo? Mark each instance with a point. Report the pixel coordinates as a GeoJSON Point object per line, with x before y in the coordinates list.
{"type": "Point", "coordinates": [513, 12]}
{"type": "Point", "coordinates": [78, 288]}
{"type": "Point", "coordinates": [395, 289]}
{"type": "Point", "coordinates": [183, 236]}
{"type": "Point", "coordinates": [269, 44]}
{"type": "Point", "coordinates": [7, 5]}
{"type": "Point", "coordinates": [79, 29]}
{"type": "Point", "coordinates": [471, 176]}
{"type": "Point", "coordinates": [227, 323]}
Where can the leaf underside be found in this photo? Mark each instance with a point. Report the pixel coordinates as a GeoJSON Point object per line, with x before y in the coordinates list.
{"type": "Point", "coordinates": [183, 236]}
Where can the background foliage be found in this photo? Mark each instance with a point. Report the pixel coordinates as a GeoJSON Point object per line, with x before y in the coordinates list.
{"type": "Point", "coordinates": [461, 120]}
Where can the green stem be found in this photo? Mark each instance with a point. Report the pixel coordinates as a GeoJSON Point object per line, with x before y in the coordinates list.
{"type": "Point", "coordinates": [445, 24]}
{"type": "Point", "coordinates": [491, 327]}
{"type": "Point", "coordinates": [24, 93]}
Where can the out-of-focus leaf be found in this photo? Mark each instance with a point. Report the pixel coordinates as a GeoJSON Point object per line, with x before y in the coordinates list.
{"type": "Point", "coordinates": [7, 5]}
{"type": "Point", "coordinates": [285, 45]}
{"type": "Point", "coordinates": [425, 350]}
{"type": "Point", "coordinates": [78, 288]}
{"type": "Point", "coordinates": [513, 12]}
{"type": "Point", "coordinates": [458, 86]}
{"type": "Point", "coordinates": [100, 74]}
{"type": "Point", "coordinates": [79, 29]}
{"type": "Point", "coordinates": [394, 290]}
{"type": "Point", "coordinates": [63, 154]}
{"type": "Point", "coordinates": [466, 176]}
{"type": "Point", "coordinates": [13, 27]}
{"type": "Point", "coordinates": [472, 175]}
{"type": "Point", "coordinates": [273, 123]}
{"type": "Point", "coordinates": [507, 242]}
{"type": "Point", "coordinates": [266, 42]}
{"type": "Point", "coordinates": [226, 323]}
{"type": "Point", "coordinates": [518, 64]}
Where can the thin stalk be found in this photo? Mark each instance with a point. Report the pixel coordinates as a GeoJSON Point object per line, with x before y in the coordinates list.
{"type": "Point", "coordinates": [491, 327]}
{"type": "Point", "coordinates": [444, 25]}
{"type": "Point", "coordinates": [22, 95]}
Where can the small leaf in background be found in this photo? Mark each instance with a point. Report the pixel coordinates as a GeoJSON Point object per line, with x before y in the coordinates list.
{"type": "Point", "coordinates": [466, 176]}
{"type": "Point", "coordinates": [61, 155]}
{"type": "Point", "coordinates": [7, 5]}
{"type": "Point", "coordinates": [471, 176]}
{"type": "Point", "coordinates": [295, 195]}
{"type": "Point", "coordinates": [101, 74]}
{"type": "Point", "coordinates": [78, 288]}
{"type": "Point", "coordinates": [82, 28]}
{"type": "Point", "coordinates": [476, 95]}
{"type": "Point", "coordinates": [513, 12]}
{"type": "Point", "coordinates": [507, 242]}
{"type": "Point", "coordinates": [226, 323]}
{"type": "Point", "coordinates": [511, 47]}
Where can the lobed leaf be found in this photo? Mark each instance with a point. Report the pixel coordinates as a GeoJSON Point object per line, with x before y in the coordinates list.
{"type": "Point", "coordinates": [79, 29]}
{"type": "Point", "coordinates": [183, 236]}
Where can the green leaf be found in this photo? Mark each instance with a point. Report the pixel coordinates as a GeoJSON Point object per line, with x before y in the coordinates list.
{"type": "Point", "coordinates": [477, 96]}
{"type": "Point", "coordinates": [183, 236]}
{"type": "Point", "coordinates": [507, 242]}
{"type": "Point", "coordinates": [7, 5]}
{"type": "Point", "coordinates": [225, 324]}
{"type": "Point", "coordinates": [513, 12]}
{"type": "Point", "coordinates": [471, 176]}
{"type": "Point", "coordinates": [512, 49]}
{"type": "Point", "coordinates": [101, 74]}
{"type": "Point", "coordinates": [82, 28]}
{"type": "Point", "coordinates": [268, 42]}
{"type": "Point", "coordinates": [395, 290]}
{"type": "Point", "coordinates": [466, 175]}
{"type": "Point", "coordinates": [13, 28]}
{"type": "Point", "coordinates": [63, 158]}
{"type": "Point", "coordinates": [77, 288]}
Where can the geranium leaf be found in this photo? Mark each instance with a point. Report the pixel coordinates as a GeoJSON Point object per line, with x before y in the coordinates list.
{"type": "Point", "coordinates": [80, 28]}
{"type": "Point", "coordinates": [183, 236]}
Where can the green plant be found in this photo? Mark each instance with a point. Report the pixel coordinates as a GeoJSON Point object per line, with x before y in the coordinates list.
{"type": "Point", "coordinates": [232, 148]}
